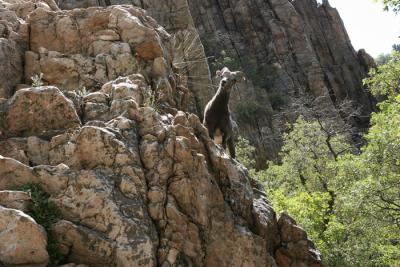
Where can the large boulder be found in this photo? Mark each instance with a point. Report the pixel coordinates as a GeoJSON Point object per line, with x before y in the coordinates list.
{"type": "Point", "coordinates": [28, 150]}
{"type": "Point", "coordinates": [14, 35]}
{"type": "Point", "coordinates": [296, 249]}
{"type": "Point", "coordinates": [38, 111]}
{"type": "Point", "coordinates": [22, 241]}
{"type": "Point", "coordinates": [15, 200]}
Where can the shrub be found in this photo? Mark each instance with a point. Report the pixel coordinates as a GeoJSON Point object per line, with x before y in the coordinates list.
{"type": "Point", "coordinates": [44, 213]}
{"type": "Point", "coordinates": [37, 80]}
{"type": "Point", "coordinates": [245, 153]}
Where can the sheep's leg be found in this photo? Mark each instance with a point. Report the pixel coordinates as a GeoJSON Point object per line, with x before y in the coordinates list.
{"type": "Point", "coordinates": [231, 147]}
{"type": "Point", "coordinates": [210, 130]}
{"type": "Point", "coordinates": [224, 140]}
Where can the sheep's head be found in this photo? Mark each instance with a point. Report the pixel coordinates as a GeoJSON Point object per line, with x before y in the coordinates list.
{"type": "Point", "coordinates": [230, 78]}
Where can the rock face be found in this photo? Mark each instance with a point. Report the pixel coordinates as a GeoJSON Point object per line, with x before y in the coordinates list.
{"type": "Point", "coordinates": [151, 196]}
{"type": "Point", "coordinates": [86, 48]}
{"type": "Point", "coordinates": [295, 245]}
{"type": "Point", "coordinates": [186, 55]}
{"type": "Point", "coordinates": [290, 51]}
{"type": "Point", "coordinates": [14, 40]}
{"type": "Point", "coordinates": [35, 105]}
{"type": "Point", "coordinates": [107, 134]}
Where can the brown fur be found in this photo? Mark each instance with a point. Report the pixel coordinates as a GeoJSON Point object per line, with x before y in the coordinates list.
{"type": "Point", "coordinates": [217, 117]}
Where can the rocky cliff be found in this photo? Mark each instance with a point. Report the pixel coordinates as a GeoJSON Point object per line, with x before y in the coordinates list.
{"type": "Point", "coordinates": [296, 54]}
{"type": "Point", "coordinates": [293, 52]}
{"type": "Point", "coordinates": [97, 121]}
{"type": "Point", "coordinates": [187, 54]}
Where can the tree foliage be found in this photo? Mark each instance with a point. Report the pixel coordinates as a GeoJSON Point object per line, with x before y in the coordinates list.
{"type": "Point", "coordinates": [393, 5]}
{"type": "Point", "coordinates": [382, 59]}
{"type": "Point", "coordinates": [347, 199]}
{"type": "Point", "coordinates": [245, 153]}
{"type": "Point", "coordinates": [384, 80]}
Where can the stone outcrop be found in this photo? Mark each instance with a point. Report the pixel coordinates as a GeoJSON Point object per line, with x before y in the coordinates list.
{"type": "Point", "coordinates": [296, 248]}
{"type": "Point", "coordinates": [86, 48]}
{"type": "Point", "coordinates": [144, 189]}
{"type": "Point", "coordinates": [14, 40]}
{"type": "Point", "coordinates": [137, 181]}
{"type": "Point", "coordinates": [14, 36]}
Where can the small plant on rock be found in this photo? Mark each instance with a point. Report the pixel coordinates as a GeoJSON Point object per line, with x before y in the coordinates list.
{"type": "Point", "coordinates": [150, 99]}
{"type": "Point", "coordinates": [82, 92]}
{"type": "Point", "coordinates": [37, 80]}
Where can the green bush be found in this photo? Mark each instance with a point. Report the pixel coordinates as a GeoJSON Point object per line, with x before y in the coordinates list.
{"type": "Point", "coordinates": [245, 153]}
{"type": "Point", "coordinates": [348, 204]}
{"type": "Point", "coordinates": [384, 80]}
{"type": "Point", "coordinates": [44, 213]}
{"type": "Point", "coordinates": [224, 59]}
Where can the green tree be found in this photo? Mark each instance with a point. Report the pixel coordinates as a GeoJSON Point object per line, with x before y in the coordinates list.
{"type": "Point", "coordinates": [396, 47]}
{"type": "Point", "coordinates": [384, 80]}
{"type": "Point", "coordinates": [382, 59]}
{"type": "Point", "coordinates": [393, 5]}
{"type": "Point", "coordinates": [245, 153]}
{"type": "Point", "coordinates": [369, 203]}
{"type": "Point", "coordinates": [347, 199]}
{"type": "Point", "coordinates": [382, 183]}
{"type": "Point", "coordinates": [349, 203]}
{"type": "Point", "coordinates": [304, 182]}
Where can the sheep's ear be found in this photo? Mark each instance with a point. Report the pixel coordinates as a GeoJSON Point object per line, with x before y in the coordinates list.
{"type": "Point", "coordinates": [219, 73]}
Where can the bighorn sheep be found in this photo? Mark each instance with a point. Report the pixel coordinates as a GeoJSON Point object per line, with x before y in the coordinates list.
{"type": "Point", "coordinates": [217, 117]}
